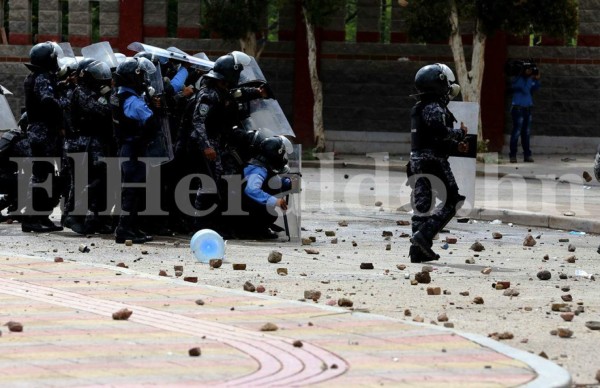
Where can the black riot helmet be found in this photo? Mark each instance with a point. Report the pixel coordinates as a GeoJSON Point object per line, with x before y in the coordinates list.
{"type": "Point", "coordinates": [96, 74]}
{"type": "Point", "coordinates": [134, 73]}
{"type": "Point", "coordinates": [81, 65]}
{"type": "Point", "coordinates": [437, 79]}
{"type": "Point", "coordinates": [228, 68]}
{"type": "Point", "coordinates": [274, 153]}
{"type": "Point", "coordinates": [44, 56]}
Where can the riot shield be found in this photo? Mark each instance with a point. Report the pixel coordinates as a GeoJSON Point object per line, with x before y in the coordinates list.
{"type": "Point", "coordinates": [161, 146]}
{"type": "Point", "coordinates": [179, 55]}
{"type": "Point", "coordinates": [101, 51]}
{"type": "Point", "coordinates": [120, 57]}
{"type": "Point", "coordinates": [464, 165]}
{"type": "Point", "coordinates": [264, 113]}
{"type": "Point", "coordinates": [7, 119]}
{"type": "Point", "coordinates": [290, 219]}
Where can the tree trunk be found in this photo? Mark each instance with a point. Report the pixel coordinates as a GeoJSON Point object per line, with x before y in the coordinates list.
{"type": "Point", "coordinates": [470, 81]}
{"type": "Point", "coordinates": [315, 83]}
{"type": "Point", "coordinates": [250, 46]}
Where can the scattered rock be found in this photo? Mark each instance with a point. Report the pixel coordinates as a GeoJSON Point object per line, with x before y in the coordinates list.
{"type": "Point", "coordinates": [194, 352]}
{"type": "Point", "coordinates": [83, 248]}
{"type": "Point", "coordinates": [567, 316]}
{"type": "Point", "coordinates": [427, 268]}
{"type": "Point", "coordinates": [402, 223]}
{"type": "Point", "coordinates": [122, 265]}
{"type": "Point", "coordinates": [449, 325]}
{"type": "Point", "coordinates": [15, 327]}
{"type": "Point", "coordinates": [345, 302]}
{"type": "Point", "coordinates": [239, 266]}
{"type": "Point", "coordinates": [414, 282]}
{"type": "Point", "coordinates": [260, 288]}
{"type": "Point", "coordinates": [511, 292]}
{"type": "Point", "coordinates": [199, 302]}
{"type": "Point", "coordinates": [407, 313]}
{"type": "Point", "coordinates": [162, 272]}
{"type": "Point", "coordinates": [496, 235]}
{"type": "Point", "coordinates": [434, 291]}
{"type": "Point", "coordinates": [58, 260]}
{"type": "Point", "coordinates": [571, 259]}
{"type": "Point", "coordinates": [586, 176]}
{"type": "Point", "coordinates": [501, 336]}
{"type": "Point", "coordinates": [477, 247]}
{"type": "Point", "coordinates": [178, 273]}
{"type": "Point", "coordinates": [329, 233]}
{"type": "Point", "coordinates": [378, 203]}
{"type": "Point", "coordinates": [423, 277]}
{"type": "Point", "coordinates": [571, 248]}
{"type": "Point", "coordinates": [442, 317]}
{"type": "Point", "coordinates": [478, 300]}
{"type": "Point", "coordinates": [306, 241]}
{"type": "Point", "coordinates": [122, 315]}
{"type": "Point", "coordinates": [464, 293]}
{"type": "Point", "coordinates": [418, 319]}
{"type": "Point", "coordinates": [366, 266]}
{"type": "Point", "coordinates": [191, 279]}
{"type": "Point", "coordinates": [543, 355]}
{"type": "Point", "coordinates": [462, 220]}
{"type": "Point", "coordinates": [275, 257]}
{"type": "Point", "coordinates": [312, 295]}
{"type": "Point", "coordinates": [215, 263]}
{"type": "Point", "coordinates": [343, 223]}
{"type": "Point", "coordinates": [567, 297]}
{"type": "Point", "coordinates": [562, 276]}
{"type": "Point", "coordinates": [401, 267]}
{"type": "Point", "coordinates": [297, 344]}
{"type": "Point", "coordinates": [563, 332]}
{"type": "Point", "coordinates": [593, 325]}
{"type": "Point", "coordinates": [387, 233]}
{"type": "Point", "coordinates": [598, 376]}
{"type": "Point", "coordinates": [544, 275]}
{"type": "Point", "coordinates": [249, 287]}
{"type": "Point", "coordinates": [311, 251]}
{"type": "Point", "coordinates": [558, 306]}
{"type": "Point", "coordinates": [505, 284]}
{"type": "Point", "coordinates": [451, 239]}
{"type": "Point", "coordinates": [282, 271]}
{"type": "Point", "coordinates": [178, 267]}
{"type": "Point", "coordinates": [128, 243]}
{"type": "Point", "coordinates": [486, 271]}
{"type": "Point", "coordinates": [269, 327]}
{"type": "Point", "coordinates": [334, 240]}
{"type": "Point", "coordinates": [470, 260]}
{"type": "Point", "coordinates": [529, 241]}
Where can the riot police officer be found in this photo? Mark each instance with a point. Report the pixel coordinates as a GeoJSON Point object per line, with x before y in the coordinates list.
{"type": "Point", "coordinates": [261, 187]}
{"type": "Point", "coordinates": [433, 138]}
{"type": "Point", "coordinates": [45, 131]}
{"type": "Point", "coordinates": [214, 119]}
{"type": "Point", "coordinates": [90, 134]}
{"type": "Point", "coordinates": [135, 125]}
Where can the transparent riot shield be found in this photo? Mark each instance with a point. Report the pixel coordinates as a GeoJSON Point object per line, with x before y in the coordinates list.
{"type": "Point", "coordinates": [161, 146]}
{"type": "Point", "coordinates": [464, 164]}
{"type": "Point", "coordinates": [7, 119]}
{"type": "Point", "coordinates": [290, 219]}
{"type": "Point", "coordinates": [175, 54]}
{"type": "Point", "coordinates": [101, 51]}
{"type": "Point", "coordinates": [264, 113]}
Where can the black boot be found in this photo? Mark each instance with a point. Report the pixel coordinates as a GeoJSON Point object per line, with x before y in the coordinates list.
{"type": "Point", "coordinates": [32, 224]}
{"type": "Point", "coordinates": [425, 244]}
{"type": "Point", "coordinates": [417, 256]}
{"type": "Point", "coordinates": [75, 223]}
{"type": "Point", "coordinates": [125, 231]}
{"type": "Point", "coordinates": [45, 220]}
{"type": "Point", "coordinates": [95, 224]}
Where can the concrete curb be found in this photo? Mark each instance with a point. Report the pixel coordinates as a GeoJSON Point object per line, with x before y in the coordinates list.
{"type": "Point", "coordinates": [505, 215]}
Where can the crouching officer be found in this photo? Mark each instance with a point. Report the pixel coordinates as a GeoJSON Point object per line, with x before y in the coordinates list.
{"type": "Point", "coordinates": [135, 125]}
{"type": "Point", "coordinates": [433, 138]}
{"type": "Point", "coordinates": [263, 187]}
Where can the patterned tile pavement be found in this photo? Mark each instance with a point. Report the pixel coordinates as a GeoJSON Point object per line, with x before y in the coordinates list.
{"type": "Point", "coordinates": [70, 339]}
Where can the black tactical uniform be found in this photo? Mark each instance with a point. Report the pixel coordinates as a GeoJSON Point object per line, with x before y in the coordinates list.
{"type": "Point", "coordinates": [433, 138]}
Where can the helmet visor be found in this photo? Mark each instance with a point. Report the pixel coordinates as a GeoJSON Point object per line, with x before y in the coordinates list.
{"type": "Point", "coordinates": [99, 70]}
{"type": "Point", "coordinates": [145, 65]}
{"type": "Point", "coordinates": [241, 58]}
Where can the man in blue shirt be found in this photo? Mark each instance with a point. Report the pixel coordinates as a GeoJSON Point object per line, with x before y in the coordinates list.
{"type": "Point", "coordinates": [263, 188]}
{"type": "Point", "coordinates": [522, 87]}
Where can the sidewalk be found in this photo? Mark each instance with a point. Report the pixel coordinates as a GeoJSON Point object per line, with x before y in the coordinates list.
{"type": "Point", "coordinates": [70, 339]}
{"type": "Point", "coordinates": [549, 168]}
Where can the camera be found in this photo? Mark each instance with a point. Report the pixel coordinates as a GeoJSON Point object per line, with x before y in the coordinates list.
{"type": "Point", "coordinates": [517, 67]}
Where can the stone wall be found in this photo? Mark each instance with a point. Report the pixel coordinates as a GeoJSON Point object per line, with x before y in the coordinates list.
{"type": "Point", "coordinates": [366, 84]}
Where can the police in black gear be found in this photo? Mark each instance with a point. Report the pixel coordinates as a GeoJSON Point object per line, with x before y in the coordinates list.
{"type": "Point", "coordinates": [91, 134]}
{"type": "Point", "coordinates": [433, 138]}
{"type": "Point", "coordinates": [263, 189]}
{"type": "Point", "coordinates": [44, 106]}
{"type": "Point", "coordinates": [135, 125]}
{"type": "Point", "coordinates": [214, 119]}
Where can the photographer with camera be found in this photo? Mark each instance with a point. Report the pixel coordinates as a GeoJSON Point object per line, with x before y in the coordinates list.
{"type": "Point", "coordinates": [525, 80]}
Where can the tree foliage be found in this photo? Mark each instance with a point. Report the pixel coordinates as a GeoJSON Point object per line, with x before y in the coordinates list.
{"type": "Point", "coordinates": [319, 12]}
{"type": "Point", "coordinates": [233, 19]}
{"type": "Point", "coordinates": [427, 20]}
